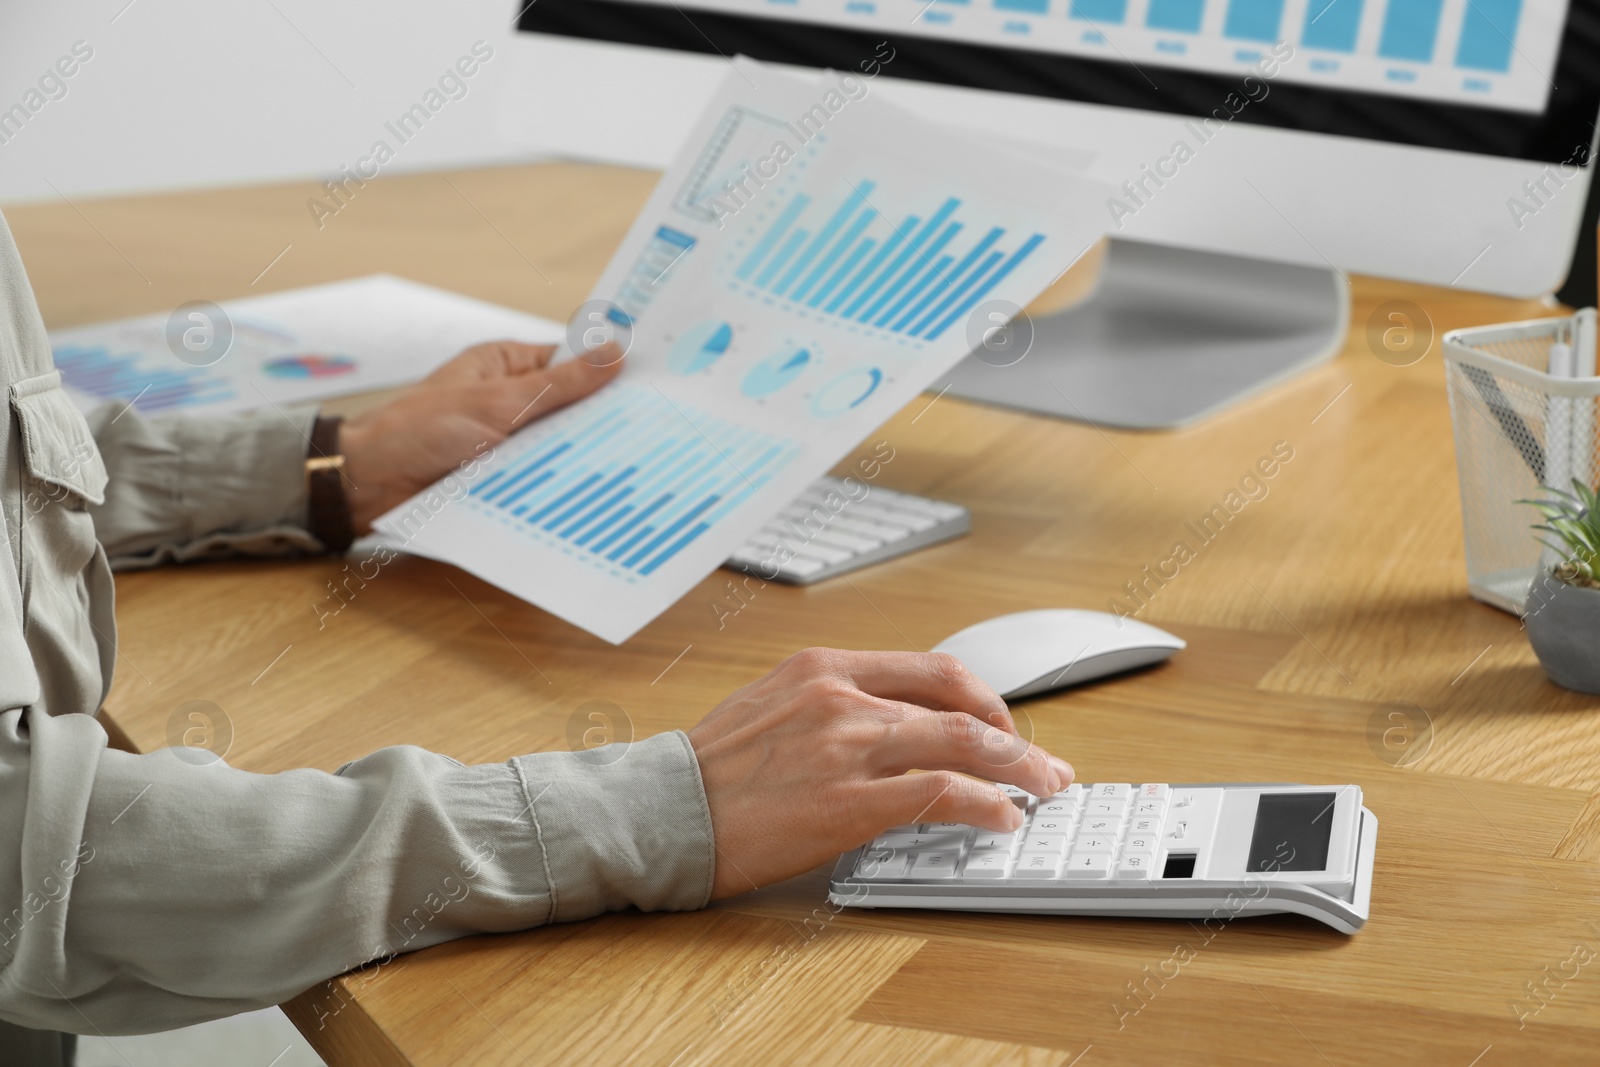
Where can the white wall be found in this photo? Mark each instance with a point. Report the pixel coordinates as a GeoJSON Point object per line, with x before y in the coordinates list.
{"type": "Point", "coordinates": [183, 93]}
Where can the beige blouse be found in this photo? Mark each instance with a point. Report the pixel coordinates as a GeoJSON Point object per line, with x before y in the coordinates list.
{"type": "Point", "coordinates": [141, 893]}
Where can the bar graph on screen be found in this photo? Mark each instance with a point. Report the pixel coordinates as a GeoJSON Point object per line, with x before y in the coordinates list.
{"type": "Point", "coordinates": [911, 275]}
{"type": "Point", "coordinates": [1498, 52]}
{"type": "Point", "coordinates": [628, 486]}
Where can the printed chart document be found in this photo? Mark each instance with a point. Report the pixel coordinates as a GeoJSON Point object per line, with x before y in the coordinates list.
{"type": "Point", "coordinates": [282, 348]}
{"type": "Point", "coordinates": [810, 262]}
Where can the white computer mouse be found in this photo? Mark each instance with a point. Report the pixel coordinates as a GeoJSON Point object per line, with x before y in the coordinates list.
{"type": "Point", "coordinates": [1036, 651]}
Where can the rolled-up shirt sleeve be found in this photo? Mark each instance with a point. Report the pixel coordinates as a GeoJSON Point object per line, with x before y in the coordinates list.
{"type": "Point", "coordinates": [148, 892]}
{"type": "Point", "coordinates": [191, 488]}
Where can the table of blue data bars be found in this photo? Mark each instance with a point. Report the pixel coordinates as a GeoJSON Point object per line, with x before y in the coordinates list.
{"type": "Point", "coordinates": [627, 486]}
{"type": "Point", "coordinates": [909, 278]}
{"type": "Point", "coordinates": [1406, 29]}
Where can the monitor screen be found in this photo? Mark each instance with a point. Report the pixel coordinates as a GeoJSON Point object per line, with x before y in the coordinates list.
{"type": "Point", "coordinates": [1511, 78]}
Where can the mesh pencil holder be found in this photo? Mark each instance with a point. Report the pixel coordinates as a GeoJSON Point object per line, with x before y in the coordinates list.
{"type": "Point", "coordinates": [1517, 428]}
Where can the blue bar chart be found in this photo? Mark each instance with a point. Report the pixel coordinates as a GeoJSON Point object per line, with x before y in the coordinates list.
{"type": "Point", "coordinates": [913, 275]}
{"type": "Point", "coordinates": [107, 375]}
{"type": "Point", "coordinates": [1480, 52]}
{"type": "Point", "coordinates": [628, 486]}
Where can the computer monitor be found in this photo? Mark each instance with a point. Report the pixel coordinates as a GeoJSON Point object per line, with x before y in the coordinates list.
{"type": "Point", "coordinates": [1257, 151]}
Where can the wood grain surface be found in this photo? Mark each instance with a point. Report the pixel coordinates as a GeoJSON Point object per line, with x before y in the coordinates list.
{"type": "Point", "coordinates": [1322, 608]}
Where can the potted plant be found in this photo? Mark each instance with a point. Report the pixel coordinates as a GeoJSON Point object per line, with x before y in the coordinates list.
{"type": "Point", "coordinates": [1562, 614]}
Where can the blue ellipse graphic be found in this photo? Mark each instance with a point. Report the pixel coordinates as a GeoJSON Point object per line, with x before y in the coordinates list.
{"type": "Point", "coordinates": [845, 392]}
{"type": "Point", "coordinates": [775, 372]}
{"type": "Point", "coordinates": [699, 347]}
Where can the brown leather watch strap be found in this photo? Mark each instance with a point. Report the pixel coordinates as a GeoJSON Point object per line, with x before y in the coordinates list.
{"type": "Point", "coordinates": [327, 504]}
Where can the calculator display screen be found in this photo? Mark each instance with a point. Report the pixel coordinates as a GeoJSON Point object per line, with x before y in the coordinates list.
{"type": "Point", "coordinates": [1292, 832]}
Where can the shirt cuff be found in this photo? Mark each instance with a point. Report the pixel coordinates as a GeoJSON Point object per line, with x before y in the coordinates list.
{"type": "Point", "coordinates": [621, 825]}
{"type": "Point", "coordinates": [188, 488]}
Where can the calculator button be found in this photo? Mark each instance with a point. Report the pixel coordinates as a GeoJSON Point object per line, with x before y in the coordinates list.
{"type": "Point", "coordinates": [1154, 791]}
{"type": "Point", "coordinates": [1056, 843]}
{"type": "Point", "coordinates": [896, 840]}
{"type": "Point", "coordinates": [1111, 791]}
{"type": "Point", "coordinates": [1058, 807]}
{"type": "Point", "coordinates": [1118, 808]}
{"type": "Point", "coordinates": [1141, 843]}
{"type": "Point", "coordinates": [1102, 826]}
{"type": "Point", "coordinates": [1038, 865]}
{"type": "Point", "coordinates": [1144, 824]}
{"type": "Point", "coordinates": [1132, 866]}
{"type": "Point", "coordinates": [1153, 808]}
{"type": "Point", "coordinates": [1090, 843]}
{"type": "Point", "coordinates": [881, 864]}
{"type": "Point", "coordinates": [940, 864]}
{"type": "Point", "coordinates": [988, 865]}
{"type": "Point", "coordinates": [1020, 797]}
{"type": "Point", "coordinates": [989, 841]}
{"type": "Point", "coordinates": [918, 842]}
{"type": "Point", "coordinates": [1088, 865]}
{"type": "Point", "coordinates": [960, 828]}
{"type": "Point", "coordinates": [1050, 826]}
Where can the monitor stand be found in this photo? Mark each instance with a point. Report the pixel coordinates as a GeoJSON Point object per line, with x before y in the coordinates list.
{"type": "Point", "coordinates": [1169, 336]}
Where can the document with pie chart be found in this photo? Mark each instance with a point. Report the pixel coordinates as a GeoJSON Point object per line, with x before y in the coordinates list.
{"type": "Point", "coordinates": [812, 260]}
{"type": "Point", "coordinates": [284, 348]}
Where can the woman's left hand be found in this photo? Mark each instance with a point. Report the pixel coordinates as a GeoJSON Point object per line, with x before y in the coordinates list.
{"type": "Point", "coordinates": [454, 414]}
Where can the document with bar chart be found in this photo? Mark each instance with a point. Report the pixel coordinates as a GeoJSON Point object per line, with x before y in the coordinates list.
{"type": "Point", "coordinates": [810, 262]}
{"type": "Point", "coordinates": [1497, 53]}
{"type": "Point", "coordinates": [282, 348]}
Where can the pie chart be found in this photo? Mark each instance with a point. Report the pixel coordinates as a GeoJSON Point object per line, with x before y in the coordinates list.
{"type": "Point", "coordinates": [776, 371]}
{"type": "Point", "coordinates": [699, 347]}
{"type": "Point", "coordinates": [845, 392]}
{"type": "Point", "coordinates": [309, 365]}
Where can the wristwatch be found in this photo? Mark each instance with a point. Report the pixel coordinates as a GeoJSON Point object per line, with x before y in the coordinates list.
{"type": "Point", "coordinates": [327, 503]}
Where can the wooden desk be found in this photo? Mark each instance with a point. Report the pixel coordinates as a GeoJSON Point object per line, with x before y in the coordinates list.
{"type": "Point", "coordinates": [1343, 589]}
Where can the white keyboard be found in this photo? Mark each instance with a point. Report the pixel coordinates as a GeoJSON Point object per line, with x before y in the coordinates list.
{"type": "Point", "coordinates": [833, 528]}
{"type": "Point", "coordinates": [1213, 852]}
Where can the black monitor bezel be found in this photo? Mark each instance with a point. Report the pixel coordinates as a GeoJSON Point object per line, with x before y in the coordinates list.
{"type": "Point", "coordinates": [1563, 133]}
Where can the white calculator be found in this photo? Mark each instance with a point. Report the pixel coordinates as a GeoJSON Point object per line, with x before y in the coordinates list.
{"type": "Point", "coordinates": [1209, 852]}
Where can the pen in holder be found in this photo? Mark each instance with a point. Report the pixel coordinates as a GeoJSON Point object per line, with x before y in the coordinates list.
{"type": "Point", "coordinates": [1522, 401]}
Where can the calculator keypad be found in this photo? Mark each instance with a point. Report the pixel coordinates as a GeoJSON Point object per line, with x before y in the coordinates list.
{"type": "Point", "coordinates": [1107, 831]}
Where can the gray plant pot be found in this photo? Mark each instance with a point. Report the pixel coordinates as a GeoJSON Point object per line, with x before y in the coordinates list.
{"type": "Point", "coordinates": [1563, 624]}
